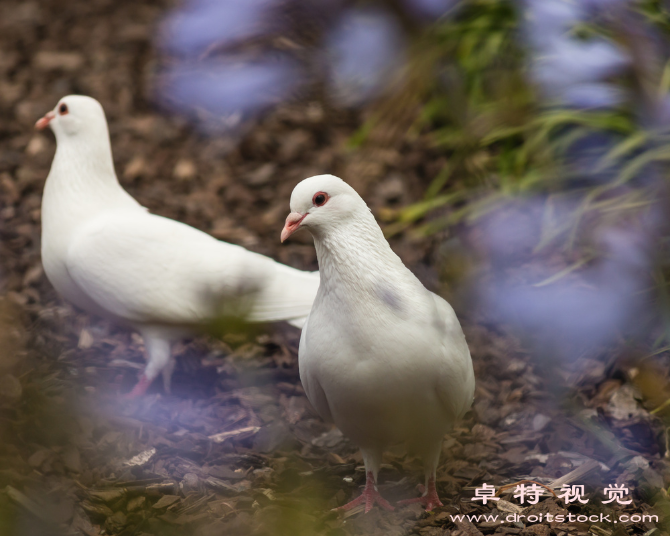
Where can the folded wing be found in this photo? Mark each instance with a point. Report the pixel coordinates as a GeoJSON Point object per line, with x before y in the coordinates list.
{"type": "Point", "coordinates": [456, 379]}
{"type": "Point", "coordinates": [149, 269]}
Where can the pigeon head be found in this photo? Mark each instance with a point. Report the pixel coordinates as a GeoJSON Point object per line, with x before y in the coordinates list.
{"type": "Point", "coordinates": [75, 116]}
{"type": "Point", "coordinates": [322, 202]}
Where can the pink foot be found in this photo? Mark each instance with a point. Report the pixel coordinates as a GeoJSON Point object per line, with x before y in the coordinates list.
{"type": "Point", "coordinates": [430, 500]}
{"type": "Point", "coordinates": [370, 496]}
{"type": "Point", "coordinates": [140, 389]}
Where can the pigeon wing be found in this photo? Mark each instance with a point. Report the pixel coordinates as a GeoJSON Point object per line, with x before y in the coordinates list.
{"type": "Point", "coordinates": [456, 379]}
{"type": "Point", "coordinates": [149, 269]}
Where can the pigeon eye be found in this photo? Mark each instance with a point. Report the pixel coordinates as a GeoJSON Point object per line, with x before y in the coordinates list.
{"type": "Point", "coordinates": [320, 199]}
{"type": "Point", "coordinates": [62, 109]}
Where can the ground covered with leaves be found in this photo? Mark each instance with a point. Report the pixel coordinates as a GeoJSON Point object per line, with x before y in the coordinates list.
{"type": "Point", "coordinates": [237, 448]}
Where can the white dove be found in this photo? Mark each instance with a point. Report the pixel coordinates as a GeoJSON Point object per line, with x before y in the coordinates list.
{"type": "Point", "coordinates": [107, 254]}
{"type": "Point", "coordinates": [380, 356]}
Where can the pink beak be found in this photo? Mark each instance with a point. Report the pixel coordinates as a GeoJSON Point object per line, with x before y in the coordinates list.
{"type": "Point", "coordinates": [44, 122]}
{"type": "Point", "coordinates": [293, 221]}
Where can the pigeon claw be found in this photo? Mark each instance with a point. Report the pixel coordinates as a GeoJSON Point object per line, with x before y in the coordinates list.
{"type": "Point", "coordinates": [369, 497]}
{"type": "Point", "coordinates": [429, 499]}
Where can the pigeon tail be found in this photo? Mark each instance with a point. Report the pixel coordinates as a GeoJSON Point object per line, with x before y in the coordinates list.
{"type": "Point", "coordinates": [288, 296]}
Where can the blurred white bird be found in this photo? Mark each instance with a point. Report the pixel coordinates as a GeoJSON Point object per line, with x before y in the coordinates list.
{"type": "Point", "coordinates": [380, 356]}
{"type": "Point", "coordinates": [105, 253]}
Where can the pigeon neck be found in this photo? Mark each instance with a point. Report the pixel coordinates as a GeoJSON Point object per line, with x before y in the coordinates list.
{"type": "Point", "coordinates": [356, 254]}
{"type": "Point", "coordinates": [84, 167]}
{"type": "Point", "coordinates": [80, 185]}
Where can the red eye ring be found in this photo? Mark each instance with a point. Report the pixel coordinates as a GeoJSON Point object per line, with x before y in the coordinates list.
{"type": "Point", "coordinates": [62, 109]}
{"type": "Point", "coordinates": [320, 199]}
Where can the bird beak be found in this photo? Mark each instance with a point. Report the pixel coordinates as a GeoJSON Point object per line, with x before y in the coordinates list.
{"type": "Point", "coordinates": [44, 122]}
{"type": "Point", "coordinates": [293, 221]}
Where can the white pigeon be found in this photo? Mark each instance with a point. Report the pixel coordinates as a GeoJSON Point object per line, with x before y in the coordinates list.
{"type": "Point", "coordinates": [107, 254]}
{"type": "Point", "coordinates": [380, 356]}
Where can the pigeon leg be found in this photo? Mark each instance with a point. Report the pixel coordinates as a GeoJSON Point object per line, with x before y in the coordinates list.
{"type": "Point", "coordinates": [429, 498]}
{"type": "Point", "coordinates": [140, 388]}
{"type": "Point", "coordinates": [158, 350]}
{"type": "Point", "coordinates": [369, 497]}
{"type": "Point", "coordinates": [372, 459]}
{"type": "Point", "coordinates": [167, 375]}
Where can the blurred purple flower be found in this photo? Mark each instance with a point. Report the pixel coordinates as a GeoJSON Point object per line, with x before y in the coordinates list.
{"type": "Point", "coordinates": [567, 61]}
{"type": "Point", "coordinates": [578, 311]}
{"type": "Point", "coordinates": [362, 47]}
{"type": "Point", "coordinates": [583, 159]}
{"type": "Point", "coordinates": [599, 95]}
{"type": "Point", "coordinates": [222, 88]}
{"type": "Point", "coordinates": [605, 5]}
{"type": "Point", "coordinates": [428, 9]}
{"type": "Point", "coordinates": [365, 49]}
{"type": "Point", "coordinates": [549, 19]}
{"type": "Point", "coordinates": [662, 110]}
{"type": "Point", "coordinates": [199, 24]}
{"type": "Point", "coordinates": [567, 69]}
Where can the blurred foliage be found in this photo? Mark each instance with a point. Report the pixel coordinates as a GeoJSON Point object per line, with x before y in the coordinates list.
{"type": "Point", "coordinates": [502, 139]}
{"type": "Point", "coordinates": [37, 407]}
